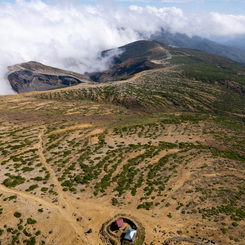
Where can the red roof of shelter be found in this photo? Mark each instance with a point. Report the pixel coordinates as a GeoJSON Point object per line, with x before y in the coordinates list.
{"type": "Point", "coordinates": [120, 223]}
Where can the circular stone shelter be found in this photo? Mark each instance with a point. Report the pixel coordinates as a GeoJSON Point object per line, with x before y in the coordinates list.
{"type": "Point", "coordinates": [122, 229]}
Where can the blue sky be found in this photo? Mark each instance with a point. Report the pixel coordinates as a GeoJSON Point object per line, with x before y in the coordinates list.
{"type": "Point", "coordinates": [221, 6]}
{"type": "Point", "coordinates": [236, 7]}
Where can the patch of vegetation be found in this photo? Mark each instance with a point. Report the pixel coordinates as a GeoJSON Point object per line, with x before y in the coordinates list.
{"type": "Point", "coordinates": [31, 221]}
{"type": "Point", "coordinates": [14, 180]}
{"type": "Point", "coordinates": [145, 205]}
{"type": "Point", "coordinates": [17, 214]}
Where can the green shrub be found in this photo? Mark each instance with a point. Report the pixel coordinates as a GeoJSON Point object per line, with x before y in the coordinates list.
{"type": "Point", "coordinates": [32, 241]}
{"type": "Point", "coordinates": [27, 169]}
{"type": "Point", "coordinates": [32, 187]}
{"type": "Point", "coordinates": [145, 205]}
{"type": "Point", "coordinates": [67, 183]}
{"type": "Point", "coordinates": [224, 230]}
{"type": "Point", "coordinates": [17, 214]}
{"type": "Point", "coordinates": [38, 178]}
{"type": "Point", "coordinates": [13, 181]}
{"type": "Point", "coordinates": [114, 201]}
{"type": "Point", "coordinates": [20, 227]}
{"type": "Point", "coordinates": [9, 229]}
{"type": "Point", "coordinates": [31, 221]}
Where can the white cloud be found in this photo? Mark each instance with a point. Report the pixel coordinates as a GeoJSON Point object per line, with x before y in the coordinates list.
{"type": "Point", "coordinates": [71, 36]}
{"type": "Point", "coordinates": [61, 36]}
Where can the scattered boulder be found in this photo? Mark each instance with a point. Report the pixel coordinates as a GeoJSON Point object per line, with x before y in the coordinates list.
{"type": "Point", "coordinates": [79, 219]}
{"type": "Point", "coordinates": [89, 231]}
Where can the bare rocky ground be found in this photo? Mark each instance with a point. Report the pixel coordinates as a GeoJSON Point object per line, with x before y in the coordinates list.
{"type": "Point", "coordinates": [179, 174]}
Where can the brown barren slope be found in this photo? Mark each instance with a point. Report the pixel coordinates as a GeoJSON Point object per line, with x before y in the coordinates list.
{"type": "Point", "coordinates": [159, 147]}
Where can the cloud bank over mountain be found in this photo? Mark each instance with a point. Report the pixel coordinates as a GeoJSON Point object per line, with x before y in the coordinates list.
{"type": "Point", "coordinates": [71, 35]}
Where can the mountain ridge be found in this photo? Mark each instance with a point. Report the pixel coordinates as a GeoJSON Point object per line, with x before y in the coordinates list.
{"type": "Point", "coordinates": [181, 80]}
{"type": "Point", "coordinates": [134, 58]}
{"type": "Point", "coordinates": [198, 43]}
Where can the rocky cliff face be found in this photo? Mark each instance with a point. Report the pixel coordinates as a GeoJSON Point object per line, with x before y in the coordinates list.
{"type": "Point", "coordinates": [34, 76]}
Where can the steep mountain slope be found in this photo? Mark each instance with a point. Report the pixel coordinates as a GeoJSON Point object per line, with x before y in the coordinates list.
{"type": "Point", "coordinates": [219, 82]}
{"type": "Point", "coordinates": [34, 76]}
{"type": "Point", "coordinates": [199, 43]}
{"type": "Point", "coordinates": [135, 57]}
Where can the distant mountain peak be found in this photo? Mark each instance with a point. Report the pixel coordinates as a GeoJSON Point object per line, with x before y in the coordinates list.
{"type": "Point", "coordinates": [199, 43]}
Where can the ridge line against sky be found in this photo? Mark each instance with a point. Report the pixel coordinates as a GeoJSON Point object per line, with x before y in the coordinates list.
{"type": "Point", "coordinates": [70, 34]}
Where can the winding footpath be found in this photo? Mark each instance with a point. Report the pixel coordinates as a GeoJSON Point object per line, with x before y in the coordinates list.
{"type": "Point", "coordinates": [64, 204]}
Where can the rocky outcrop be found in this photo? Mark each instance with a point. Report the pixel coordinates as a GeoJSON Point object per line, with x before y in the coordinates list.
{"type": "Point", "coordinates": [34, 76]}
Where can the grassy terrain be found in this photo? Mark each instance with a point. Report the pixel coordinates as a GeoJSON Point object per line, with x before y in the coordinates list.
{"type": "Point", "coordinates": [164, 145]}
{"type": "Point", "coordinates": [160, 91]}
